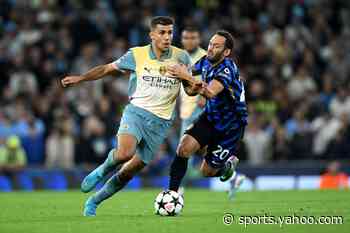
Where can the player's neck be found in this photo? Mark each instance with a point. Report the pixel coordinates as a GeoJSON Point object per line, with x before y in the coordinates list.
{"type": "Point", "coordinates": [157, 52]}
{"type": "Point", "coordinates": [213, 64]}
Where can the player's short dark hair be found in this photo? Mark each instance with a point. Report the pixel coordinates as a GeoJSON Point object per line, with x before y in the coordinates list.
{"type": "Point", "coordinates": [229, 42]}
{"type": "Point", "coordinates": [162, 20]}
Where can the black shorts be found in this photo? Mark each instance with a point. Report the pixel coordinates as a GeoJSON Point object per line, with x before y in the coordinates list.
{"type": "Point", "coordinates": [221, 145]}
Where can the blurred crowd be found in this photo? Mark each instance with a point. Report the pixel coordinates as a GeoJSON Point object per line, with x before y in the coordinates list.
{"type": "Point", "coordinates": [294, 56]}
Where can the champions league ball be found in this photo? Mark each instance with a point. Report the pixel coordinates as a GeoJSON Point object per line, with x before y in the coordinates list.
{"type": "Point", "coordinates": [168, 203]}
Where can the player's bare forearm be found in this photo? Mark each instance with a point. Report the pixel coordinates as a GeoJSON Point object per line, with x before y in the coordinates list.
{"type": "Point", "coordinates": [186, 77]}
{"type": "Point", "coordinates": [211, 90]}
{"type": "Point", "coordinates": [191, 92]}
{"type": "Point", "coordinates": [191, 85]}
{"type": "Point", "coordinates": [191, 89]}
{"type": "Point", "coordinates": [95, 73]}
{"type": "Point", "coordinates": [207, 93]}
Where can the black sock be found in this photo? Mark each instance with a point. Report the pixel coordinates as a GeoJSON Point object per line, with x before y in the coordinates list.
{"type": "Point", "coordinates": [223, 170]}
{"type": "Point", "coordinates": [177, 172]}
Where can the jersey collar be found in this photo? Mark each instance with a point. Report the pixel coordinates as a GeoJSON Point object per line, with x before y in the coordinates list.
{"type": "Point", "coordinates": [165, 55]}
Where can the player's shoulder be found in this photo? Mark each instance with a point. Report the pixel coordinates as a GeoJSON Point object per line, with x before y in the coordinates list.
{"type": "Point", "coordinates": [127, 61]}
{"type": "Point", "coordinates": [204, 60]}
{"type": "Point", "coordinates": [177, 49]}
{"type": "Point", "coordinates": [229, 67]}
{"type": "Point", "coordinates": [228, 62]}
{"type": "Point", "coordinates": [139, 48]}
{"type": "Point", "coordinates": [139, 53]}
{"type": "Point", "coordinates": [179, 52]}
{"type": "Point", "coordinates": [181, 55]}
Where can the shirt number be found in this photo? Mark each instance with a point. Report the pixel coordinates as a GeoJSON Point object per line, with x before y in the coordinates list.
{"type": "Point", "coordinates": [221, 153]}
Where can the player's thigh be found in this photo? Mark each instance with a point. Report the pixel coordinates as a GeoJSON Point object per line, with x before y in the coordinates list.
{"type": "Point", "coordinates": [129, 134]}
{"type": "Point", "coordinates": [221, 150]}
{"type": "Point", "coordinates": [154, 132]}
{"type": "Point", "coordinates": [188, 146]}
{"type": "Point", "coordinates": [196, 137]}
{"type": "Point", "coordinates": [130, 168]}
{"type": "Point", "coordinates": [127, 144]}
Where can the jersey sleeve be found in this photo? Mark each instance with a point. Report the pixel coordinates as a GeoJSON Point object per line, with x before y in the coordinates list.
{"type": "Point", "coordinates": [126, 62]}
{"type": "Point", "coordinates": [185, 59]}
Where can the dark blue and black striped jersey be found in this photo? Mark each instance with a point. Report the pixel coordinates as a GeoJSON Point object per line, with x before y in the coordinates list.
{"type": "Point", "coordinates": [228, 110]}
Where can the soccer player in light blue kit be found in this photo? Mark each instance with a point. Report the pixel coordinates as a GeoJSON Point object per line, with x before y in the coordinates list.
{"type": "Point", "coordinates": [148, 117]}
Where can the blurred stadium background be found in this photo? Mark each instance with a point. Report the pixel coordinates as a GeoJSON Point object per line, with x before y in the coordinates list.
{"type": "Point", "coordinates": [293, 54]}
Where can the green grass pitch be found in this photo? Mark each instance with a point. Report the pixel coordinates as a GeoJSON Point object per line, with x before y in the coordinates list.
{"type": "Point", "coordinates": [132, 211]}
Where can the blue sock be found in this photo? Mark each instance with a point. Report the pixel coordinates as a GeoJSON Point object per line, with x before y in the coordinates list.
{"type": "Point", "coordinates": [109, 164]}
{"type": "Point", "coordinates": [113, 185]}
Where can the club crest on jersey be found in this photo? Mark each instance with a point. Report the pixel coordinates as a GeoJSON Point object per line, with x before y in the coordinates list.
{"type": "Point", "coordinates": [147, 69]}
{"type": "Point", "coordinates": [124, 126]}
{"type": "Point", "coordinates": [162, 70]}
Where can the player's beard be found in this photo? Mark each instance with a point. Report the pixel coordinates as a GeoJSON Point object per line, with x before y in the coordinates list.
{"type": "Point", "coordinates": [217, 57]}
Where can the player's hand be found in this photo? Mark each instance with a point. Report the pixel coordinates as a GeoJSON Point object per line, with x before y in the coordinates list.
{"type": "Point", "coordinates": [178, 71]}
{"type": "Point", "coordinates": [71, 80]}
{"type": "Point", "coordinates": [203, 88]}
{"type": "Point", "coordinates": [197, 85]}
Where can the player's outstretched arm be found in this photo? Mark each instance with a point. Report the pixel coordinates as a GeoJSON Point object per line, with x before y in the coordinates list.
{"type": "Point", "coordinates": [193, 89]}
{"type": "Point", "coordinates": [95, 73]}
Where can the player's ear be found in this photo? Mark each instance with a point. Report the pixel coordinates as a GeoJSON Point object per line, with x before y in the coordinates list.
{"type": "Point", "coordinates": [151, 34]}
{"type": "Point", "coordinates": [227, 52]}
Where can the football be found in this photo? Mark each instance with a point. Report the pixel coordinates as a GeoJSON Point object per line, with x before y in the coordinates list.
{"type": "Point", "coordinates": [168, 203]}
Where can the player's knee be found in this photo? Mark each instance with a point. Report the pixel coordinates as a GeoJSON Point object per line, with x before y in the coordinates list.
{"type": "Point", "coordinates": [184, 151]}
{"type": "Point", "coordinates": [122, 154]}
